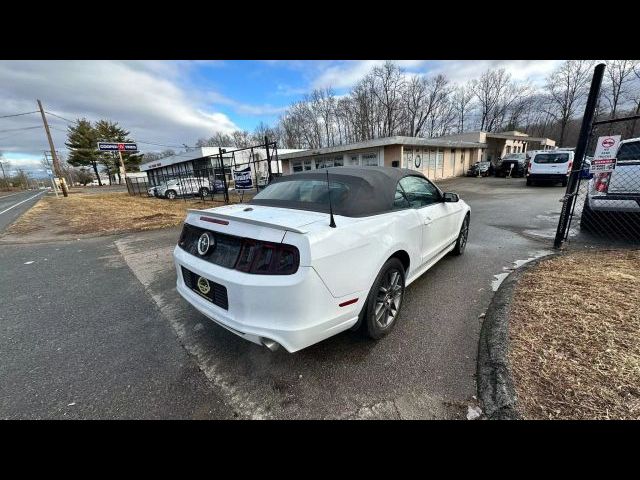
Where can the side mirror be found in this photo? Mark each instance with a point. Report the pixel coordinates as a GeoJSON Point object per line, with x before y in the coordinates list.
{"type": "Point", "coordinates": [450, 197]}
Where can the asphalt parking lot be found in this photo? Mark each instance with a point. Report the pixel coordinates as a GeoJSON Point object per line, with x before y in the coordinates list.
{"type": "Point", "coordinates": [424, 369]}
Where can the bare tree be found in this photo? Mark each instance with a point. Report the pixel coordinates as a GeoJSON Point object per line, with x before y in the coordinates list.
{"type": "Point", "coordinates": [462, 98]}
{"type": "Point", "coordinates": [389, 83]}
{"type": "Point", "coordinates": [496, 95]}
{"type": "Point", "coordinates": [619, 74]}
{"type": "Point", "coordinates": [5, 166]}
{"type": "Point", "coordinates": [567, 87]}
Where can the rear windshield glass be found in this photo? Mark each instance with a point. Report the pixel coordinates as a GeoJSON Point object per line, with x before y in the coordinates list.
{"type": "Point", "coordinates": [515, 156]}
{"type": "Point", "coordinates": [629, 151]}
{"type": "Point", "coordinates": [551, 158]}
{"type": "Point", "coordinates": [305, 191]}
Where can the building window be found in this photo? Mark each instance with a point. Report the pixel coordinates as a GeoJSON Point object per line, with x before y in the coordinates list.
{"type": "Point", "coordinates": [408, 157]}
{"type": "Point", "coordinates": [370, 160]}
{"type": "Point", "coordinates": [432, 159]}
{"type": "Point", "coordinates": [338, 161]}
{"type": "Point", "coordinates": [453, 159]}
{"type": "Point", "coordinates": [508, 150]}
{"type": "Point", "coordinates": [324, 162]}
{"type": "Point", "coordinates": [308, 165]}
{"type": "Point", "coordinates": [296, 166]}
{"type": "Point", "coordinates": [353, 160]}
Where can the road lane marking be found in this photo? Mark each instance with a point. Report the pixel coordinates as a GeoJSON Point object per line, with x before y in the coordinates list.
{"type": "Point", "coordinates": [19, 203]}
{"type": "Point", "coordinates": [10, 195]}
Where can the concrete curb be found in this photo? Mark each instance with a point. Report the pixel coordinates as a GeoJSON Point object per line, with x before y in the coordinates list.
{"type": "Point", "coordinates": [495, 385]}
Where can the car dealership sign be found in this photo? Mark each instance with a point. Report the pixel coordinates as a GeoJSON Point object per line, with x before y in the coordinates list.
{"type": "Point", "coordinates": [604, 159]}
{"type": "Point", "coordinates": [117, 147]}
{"type": "Point", "coordinates": [243, 179]}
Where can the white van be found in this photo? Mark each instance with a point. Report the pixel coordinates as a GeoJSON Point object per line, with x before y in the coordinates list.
{"type": "Point", "coordinates": [549, 166]}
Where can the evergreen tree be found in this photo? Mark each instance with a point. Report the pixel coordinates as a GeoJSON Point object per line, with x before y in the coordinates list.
{"type": "Point", "coordinates": [83, 146]}
{"type": "Point", "coordinates": [107, 131]}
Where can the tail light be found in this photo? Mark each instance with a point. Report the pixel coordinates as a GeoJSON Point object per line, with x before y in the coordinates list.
{"type": "Point", "coordinates": [267, 258]}
{"type": "Point", "coordinates": [529, 164]}
{"type": "Point", "coordinates": [601, 181]}
{"type": "Point", "coordinates": [570, 165]}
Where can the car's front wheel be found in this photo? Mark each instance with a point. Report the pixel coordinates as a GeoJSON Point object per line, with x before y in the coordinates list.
{"type": "Point", "coordinates": [171, 195]}
{"type": "Point", "coordinates": [461, 242]}
{"type": "Point", "coordinates": [385, 299]}
{"type": "Point", "coordinates": [204, 191]}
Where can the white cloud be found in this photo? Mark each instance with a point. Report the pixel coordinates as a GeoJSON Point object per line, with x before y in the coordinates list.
{"type": "Point", "coordinates": [145, 97]}
{"type": "Point", "coordinates": [244, 108]}
{"type": "Point", "coordinates": [346, 74]}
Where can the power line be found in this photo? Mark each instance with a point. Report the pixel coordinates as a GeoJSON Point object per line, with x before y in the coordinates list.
{"type": "Point", "coordinates": [22, 128]}
{"type": "Point", "coordinates": [18, 114]}
{"type": "Point", "coordinates": [137, 141]}
{"type": "Point", "coordinates": [56, 115]}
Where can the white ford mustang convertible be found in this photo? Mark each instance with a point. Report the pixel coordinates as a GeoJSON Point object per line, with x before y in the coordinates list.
{"type": "Point", "coordinates": [316, 253]}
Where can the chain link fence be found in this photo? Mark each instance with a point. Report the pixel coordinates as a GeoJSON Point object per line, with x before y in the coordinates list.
{"type": "Point", "coordinates": [230, 176]}
{"type": "Point", "coordinates": [607, 203]}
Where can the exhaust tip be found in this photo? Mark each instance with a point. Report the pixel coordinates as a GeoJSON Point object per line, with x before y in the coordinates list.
{"type": "Point", "coordinates": [270, 344]}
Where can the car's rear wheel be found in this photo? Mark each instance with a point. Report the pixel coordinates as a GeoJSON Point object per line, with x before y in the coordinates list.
{"type": "Point", "coordinates": [529, 182]}
{"type": "Point", "coordinates": [170, 194]}
{"type": "Point", "coordinates": [564, 182]}
{"type": "Point", "coordinates": [204, 191]}
{"type": "Point", "coordinates": [385, 299]}
{"type": "Point", "coordinates": [461, 242]}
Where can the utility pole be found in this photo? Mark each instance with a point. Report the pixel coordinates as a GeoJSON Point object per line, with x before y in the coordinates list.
{"type": "Point", "coordinates": [56, 164]}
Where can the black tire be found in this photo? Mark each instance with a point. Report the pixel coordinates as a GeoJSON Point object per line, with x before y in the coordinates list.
{"type": "Point", "coordinates": [529, 182]}
{"type": "Point", "coordinates": [588, 220]}
{"type": "Point", "coordinates": [463, 236]}
{"type": "Point", "coordinates": [385, 305]}
{"type": "Point", "coordinates": [170, 194]}
{"type": "Point", "coordinates": [564, 182]}
{"type": "Point", "coordinates": [204, 191]}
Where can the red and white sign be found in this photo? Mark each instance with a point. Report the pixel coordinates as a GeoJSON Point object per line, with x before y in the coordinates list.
{"type": "Point", "coordinates": [604, 158]}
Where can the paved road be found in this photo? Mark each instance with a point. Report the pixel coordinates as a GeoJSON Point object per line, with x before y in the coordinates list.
{"type": "Point", "coordinates": [116, 328]}
{"type": "Point", "coordinates": [82, 339]}
{"type": "Point", "coordinates": [425, 369]}
{"type": "Point", "coordinates": [15, 204]}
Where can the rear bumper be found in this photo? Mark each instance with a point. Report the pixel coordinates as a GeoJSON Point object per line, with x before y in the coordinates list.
{"type": "Point", "coordinates": [549, 177]}
{"type": "Point", "coordinates": [294, 310]}
{"type": "Point", "coordinates": [615, 203]}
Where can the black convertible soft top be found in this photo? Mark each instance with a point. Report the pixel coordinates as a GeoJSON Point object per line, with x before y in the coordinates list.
{"type": "Point", "coordinates": [371, 190]}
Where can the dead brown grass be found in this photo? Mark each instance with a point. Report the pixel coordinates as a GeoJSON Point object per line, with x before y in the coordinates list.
{"type": "Point", "coordinates": [107, 213]}
{"type": "Point", "coordinates": [574, 337]}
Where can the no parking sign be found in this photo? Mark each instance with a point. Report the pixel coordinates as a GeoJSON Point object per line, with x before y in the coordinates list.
{"type": "Point", "coordinates": [604, 159]}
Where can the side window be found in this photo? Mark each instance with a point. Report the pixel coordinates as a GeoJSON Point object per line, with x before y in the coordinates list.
{"type": "Point", "coordinates": [400, 200]}
{"type": "Point", "coordinates": [419, 192]}
{"type": "Point", "coordinates": [629, 152]}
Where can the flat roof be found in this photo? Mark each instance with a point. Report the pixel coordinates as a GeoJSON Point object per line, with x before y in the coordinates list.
{"type": "Point", "coordinates": [198, 153]}
{"type": "Point", "coordinates": [382, 142]}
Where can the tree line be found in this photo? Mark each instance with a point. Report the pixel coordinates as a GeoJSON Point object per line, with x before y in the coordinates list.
{"type": "Point", "coordinates": [390, 101]}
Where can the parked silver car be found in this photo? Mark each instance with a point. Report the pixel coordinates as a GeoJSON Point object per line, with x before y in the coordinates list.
{"type": "Point", "coordinates": [180, 187]}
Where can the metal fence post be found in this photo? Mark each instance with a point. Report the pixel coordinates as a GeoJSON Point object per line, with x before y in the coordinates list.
{"type": "Point", "coordinates": [585, 129]}
{"type": "Point", "coordinates": [224, 176]}
{"type": "Point", "coordinates": [266, 145]}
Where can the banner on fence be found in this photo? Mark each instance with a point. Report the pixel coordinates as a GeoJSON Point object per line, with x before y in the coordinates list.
{"type": "Point", "coordinates": [243, 179]}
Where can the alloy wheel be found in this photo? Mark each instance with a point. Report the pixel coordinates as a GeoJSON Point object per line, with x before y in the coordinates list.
{"type": "Point", "coordinates": [388, 299]}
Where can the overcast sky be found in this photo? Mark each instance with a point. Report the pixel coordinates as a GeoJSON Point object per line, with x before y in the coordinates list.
{"type": "Point", "coordinates": [176, 102]}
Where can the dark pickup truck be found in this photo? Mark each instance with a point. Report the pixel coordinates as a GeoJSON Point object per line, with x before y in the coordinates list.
{"type": "Point", "coordinates": [513, 164]}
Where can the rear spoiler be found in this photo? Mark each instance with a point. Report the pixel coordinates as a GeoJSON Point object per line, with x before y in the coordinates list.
{"type": "Point", "coordinates": [228, 218]}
